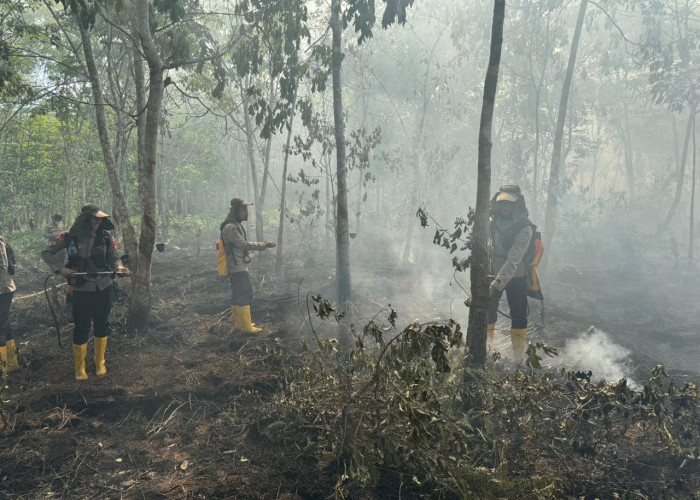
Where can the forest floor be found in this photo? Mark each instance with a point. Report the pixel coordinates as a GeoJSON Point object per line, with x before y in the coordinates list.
{"type": "Point", "coordinates": [175, 416]}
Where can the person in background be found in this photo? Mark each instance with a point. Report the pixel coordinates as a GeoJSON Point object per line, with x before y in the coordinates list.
{"type": "Point", "coordinates": [237, 248]}
{"type": "Point", "coordinates": [8, 348]}
{"type": "Point", "coordinates": [53, 228]}
{"type": "Point", "coordinates": [92, 254]}
{"type": "Point", "coordinates": [51, 232]}
{"type": "Point", "coordinates": [510, 231]}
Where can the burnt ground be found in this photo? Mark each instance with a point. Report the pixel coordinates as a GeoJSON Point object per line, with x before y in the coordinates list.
{"type": "Point", "coordinates": [175, 416]}
{"type": "Point", "coordinates": [170, 419]}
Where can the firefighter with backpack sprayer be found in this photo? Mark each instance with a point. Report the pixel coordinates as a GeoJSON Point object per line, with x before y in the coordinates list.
{"type": "Point", "coordinates": [515, 249]}
{"type": "Point", "coordinates": [92, 264]}
{"type": "Point", "coordinates": [237, 249]}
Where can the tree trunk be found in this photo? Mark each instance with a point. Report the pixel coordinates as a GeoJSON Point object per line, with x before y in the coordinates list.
{"type": "Point", "coordinates": [121, 212]}
{"type": "Point", "coordinates": [691, 231]}
{"type": "Point", "coordinates": [538, 95]}
{"type": "Point", "coordinates": [342, 226]}
{"type": "Point", "coordinates": [554, 191]}
{"type": "Point", "coordinates": [479, 269]}
{"type": "Point", "coordinates": [358, 210]}
{"type": "Point", "coordinates": [418, 148]}
{"type": "Point", "coordinates": [328, 199]}
{"type": "Point", "coordinates": [160, 201]}
{"type": "Point", "coordinates": [250, 141]}
{"type": "Point", "coordinates": [165, 215]}
{"type": "Point", "coordinates": [361, 173]}
{"type": "Point", "coordinates": [83, 188]}
{"type": "Point", "coordinates": [141, 282]}
{"type": "Point", "coordinates": [283, 194]}
{"type": "Point", "coordinates": [681, 174]}
{"type": "Point", "coordinates": [629, 151]}
{"type": "Point", "coordinates": [268, 145]}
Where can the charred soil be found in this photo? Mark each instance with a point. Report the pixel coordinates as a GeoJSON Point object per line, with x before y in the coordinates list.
{"type": "Point", "coordinates": [170, 419]}
{"type": "Point", "coordinates": [178, 414]}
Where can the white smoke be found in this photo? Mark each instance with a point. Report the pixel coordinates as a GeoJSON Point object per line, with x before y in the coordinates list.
{"type": "Point", "coordinates": [595, 352]}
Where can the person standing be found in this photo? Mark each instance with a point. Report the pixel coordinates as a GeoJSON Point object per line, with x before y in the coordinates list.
{"type": "Point", "coordinates": [510, 232]}
{"type": "Point", "coordinates": [92, 264]}
{"type": "Point", "coordinates": [238, 248]}
{"type": "Point", "coordinates": [8, 348]}
{"type": "Point", "coordinates": [53, 228]}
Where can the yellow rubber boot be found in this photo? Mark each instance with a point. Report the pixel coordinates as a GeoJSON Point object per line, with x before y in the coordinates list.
{"type": "Point", "coordinates": [241, 319]}
{"type": "Point", "coordinates": [490, 331]}
{"type": "Point", "coordinates": [12, 362]}
{"type": "Point", "coordinates": [100, 348]}
{"type": "Point", "coordinates": [236, 315]}
{"type": "Point", "coordinates": [518, 338]}
{"type": "Point", "coordinates": [246, 324]}
{"type": "Point", "coordinates": [79, 353]}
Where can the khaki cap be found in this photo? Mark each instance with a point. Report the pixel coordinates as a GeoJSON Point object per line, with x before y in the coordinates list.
{"type": "Point", "coordinates": [503, 196]}
{"type": "Point", "coordinates": [93, 210]}
{"type": "Point", "coordinates": [239, 202]}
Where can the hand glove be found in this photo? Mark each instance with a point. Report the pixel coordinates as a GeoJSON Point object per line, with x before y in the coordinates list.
{"type": "Point", "coordinates": [123, 271]}
{"type": "Point", "coordinates": [66, 273]}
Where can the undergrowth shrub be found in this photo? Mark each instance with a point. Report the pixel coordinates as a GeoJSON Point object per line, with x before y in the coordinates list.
{"type": "Point", "coordinates": [400, 411]}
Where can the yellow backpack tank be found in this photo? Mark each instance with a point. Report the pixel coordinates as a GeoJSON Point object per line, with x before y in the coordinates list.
{"type": "Point", "coordinates": [221, 263]}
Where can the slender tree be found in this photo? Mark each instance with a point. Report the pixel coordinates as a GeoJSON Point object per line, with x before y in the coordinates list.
{"type": "Point", "coordinates": [555, 190]}
{"type": "Point", "coordinates": [363, 17]}
{"type": "Point", "coordinates": [680, 172]}
{"type": "Point", "coordinates": [141, 295]}
{"type": "Point", "coordinates": [121, 213]}
{"type": "Point", "coordinates": [479, 267]}
{"type": "Point", "coordinates": [342, 226]}
{"type": "Point", "coordinates": [691, 229]}
{"type": "Point", "coordinates": [279, 256]}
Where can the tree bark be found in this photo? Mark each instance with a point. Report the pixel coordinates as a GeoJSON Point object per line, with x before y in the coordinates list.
{"type": "Point", "coordinates": [121, 212]}
{"type": "Point", "coordinates": [479, 269]}
{"type": "Point", "coordinates": [342, 226]}
{"type": "Point", "coordinates": [141, 282]}
{"type": "Point", "coordinates": [554, 191]}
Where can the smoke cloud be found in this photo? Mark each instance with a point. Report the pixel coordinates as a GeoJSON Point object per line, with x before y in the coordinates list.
{"type": "Point", "coordinates": [595, 351]}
